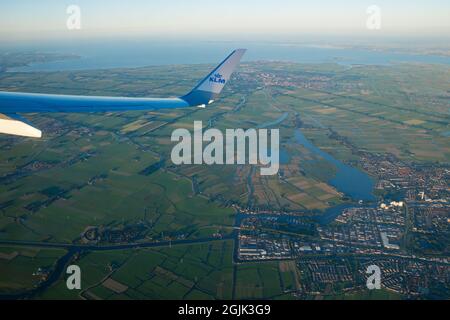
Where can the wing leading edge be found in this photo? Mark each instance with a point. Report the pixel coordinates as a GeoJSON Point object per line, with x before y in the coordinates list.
{"type": "Point", "coordinates": [203, 94]}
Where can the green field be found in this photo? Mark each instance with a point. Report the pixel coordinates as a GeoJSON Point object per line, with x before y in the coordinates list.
{"type": "Point", "coordinates": [182, 272]}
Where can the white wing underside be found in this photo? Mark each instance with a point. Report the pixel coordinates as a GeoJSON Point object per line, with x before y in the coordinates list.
{"type": "Point", "coordinates": [19, 128]}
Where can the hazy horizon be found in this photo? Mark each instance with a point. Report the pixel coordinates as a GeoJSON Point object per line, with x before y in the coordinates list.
{"type": "Point", "coordinates": [25, 20]}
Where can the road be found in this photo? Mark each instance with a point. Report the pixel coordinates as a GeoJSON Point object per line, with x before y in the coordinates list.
{"type": "Point", "coordinates": [139, 245]}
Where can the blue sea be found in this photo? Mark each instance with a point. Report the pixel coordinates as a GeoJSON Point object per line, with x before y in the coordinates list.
{"type": "Point", "coordinates": [130, 53]}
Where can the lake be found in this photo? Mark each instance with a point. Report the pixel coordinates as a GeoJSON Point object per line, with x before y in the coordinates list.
{"type": "Point", "coordinates": [353, 182]}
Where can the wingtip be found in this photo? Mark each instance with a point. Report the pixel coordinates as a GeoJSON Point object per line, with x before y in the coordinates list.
{"type": "Point", "coordinates": [211, 86]}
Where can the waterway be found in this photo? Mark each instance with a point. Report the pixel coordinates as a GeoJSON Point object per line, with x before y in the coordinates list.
{"type": "Point", "coordinates": [322, 218]}
{"type": "Point", "coordinates": [351, 181]}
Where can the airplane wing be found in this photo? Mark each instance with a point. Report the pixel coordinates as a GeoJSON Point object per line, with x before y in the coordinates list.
{"type": "Point", "coordinates": [12, 124]}
{"type": "Point", "coordinates": [202, 95]}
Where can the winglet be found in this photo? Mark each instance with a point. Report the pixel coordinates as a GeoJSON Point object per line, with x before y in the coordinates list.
{"type": "Point", "coordinates": [18, 128]}
{"type": "Point", "coordinates": [210, 87]}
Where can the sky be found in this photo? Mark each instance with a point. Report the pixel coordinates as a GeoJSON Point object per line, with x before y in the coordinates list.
{"type": "Point", "coordinates": [31, 19]}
